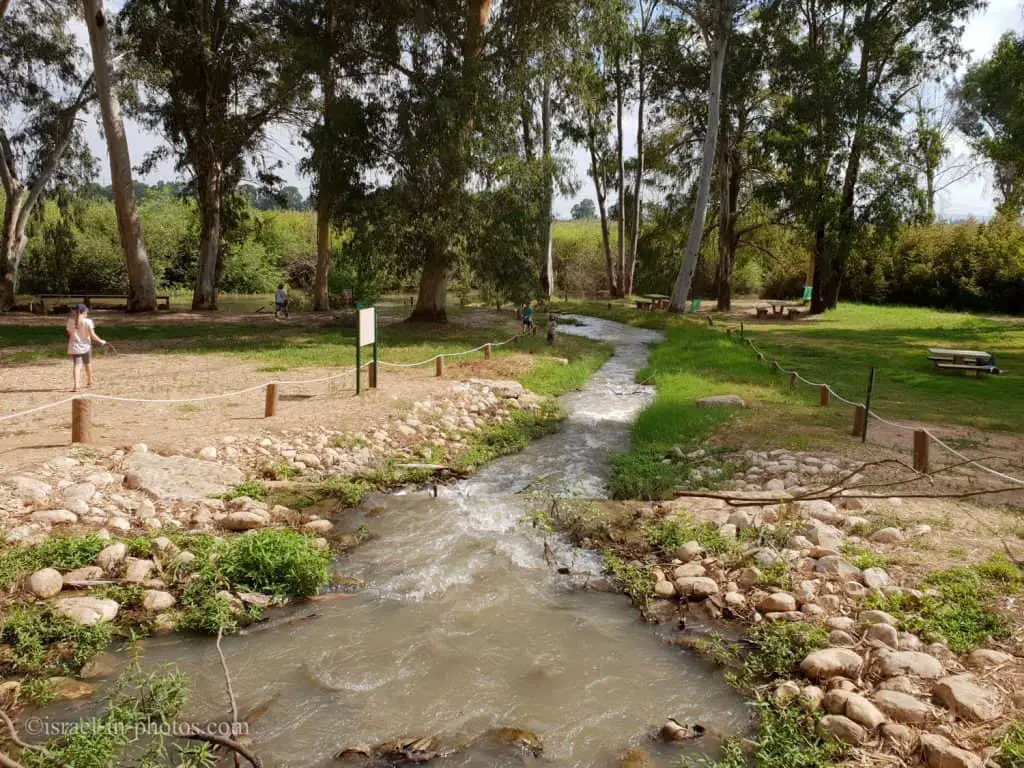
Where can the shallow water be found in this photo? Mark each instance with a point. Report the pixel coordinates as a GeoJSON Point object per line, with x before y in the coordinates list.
{"type": "Point", "coordinates": [463, 626]}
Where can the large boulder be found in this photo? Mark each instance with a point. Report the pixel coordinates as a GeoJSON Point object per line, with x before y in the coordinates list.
{"type": "Point", "coordinates": [777, 602]}
{"type": "Point", "coordinates": [155, 600]}
{"type": "Point", "coordinates": [45, 583]}
{"type": "Point", "coordinates": [939, 752]}
{"type": "Point", "coordinates": [902, 707]}
{"type": "Point", "coordinates": [719, 401]}
{"type": "Point", "coordinates": [178, 478]}
{"type": "Point", "coordinates": [111, 556]}
{"type": "Point", "coordinates": [28, 489]}
{"type": "Point", "coordinates": [831, 662]}
{"type": "Point", "coordinates": [962, 694]}
{"type": "Point", "coordinates": [696, 587]}
{"type": "Point", "coordinates": [87, 610]}
{"type": "Point", "coordinates": [913, 663]}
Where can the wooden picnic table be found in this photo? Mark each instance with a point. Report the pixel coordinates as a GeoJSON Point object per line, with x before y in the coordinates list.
{"type": "Point", "coordinates": [39, 304]}
{"type": "Point", "coordinates": [658, 300]}
{"type": "Point", "coordinates": [962, 359]}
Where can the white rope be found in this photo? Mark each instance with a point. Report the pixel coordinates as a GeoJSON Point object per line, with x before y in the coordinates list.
{"type": "Point", "coordinates": [237, 392]}
{"type": "Point", "coordinates": [36, 409]}
{"type": "Point", "coordinates": [904, 427]}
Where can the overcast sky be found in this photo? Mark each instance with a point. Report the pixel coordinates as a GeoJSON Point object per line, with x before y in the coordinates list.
{"type": "Point", "coordinates": [971, 197]}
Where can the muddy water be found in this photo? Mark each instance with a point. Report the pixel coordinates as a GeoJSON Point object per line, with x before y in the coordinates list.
{"type": "Point", "coordinates": [463, 626]}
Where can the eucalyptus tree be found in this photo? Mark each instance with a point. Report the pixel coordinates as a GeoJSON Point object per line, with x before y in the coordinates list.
{"type": "Point", "coordinates": [213, 76]}
{"type": "Point", "coordinates": [141, 290]}
{"type": "Point", "coordinates": [842, 72]}
{"type": "Point", "coordinates": [991, 114]}
{"type": "Point", "coordinates": [714, 20]}
{"type": "Point", "coordinates": [43, 91]}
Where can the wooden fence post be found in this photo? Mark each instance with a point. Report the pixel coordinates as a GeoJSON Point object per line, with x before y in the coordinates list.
{"type": "Point", "coordinates": [859, 419]}
{"type": "Point", "coordinates": [921, 443]}
{"type": "Point", "coordinates": [270, 407]}
{"type": "Point", "coordinates": [487, 352]}
{"type": "Point", "coordinates": [826, 395]}
{"type": "Point", "coordinates": [792, 381]}
{"type": "Point", "coordinates": [81, 426]}
{"type": "Point", "coordinates": [439, 366]}
{"type": "Point", "coordinates": [371, 375]}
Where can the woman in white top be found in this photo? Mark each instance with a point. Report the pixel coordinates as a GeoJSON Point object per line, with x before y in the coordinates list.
{"type": "Point", "coordinates": [81, 334]}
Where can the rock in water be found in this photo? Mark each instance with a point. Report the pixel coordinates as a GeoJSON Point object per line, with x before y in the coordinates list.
{"type": "Point", "coordinates": [718, 401]}
{"type": "Point", "coordinates": [178, 478]}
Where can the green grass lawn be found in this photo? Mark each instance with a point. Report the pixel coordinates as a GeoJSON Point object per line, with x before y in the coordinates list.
{"type": "Point", "coordinates": [839, 349]}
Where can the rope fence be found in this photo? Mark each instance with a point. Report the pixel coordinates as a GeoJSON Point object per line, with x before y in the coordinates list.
{"type": "Point", "coordinates": [922, 436]}
{"type": "Point", "coordinates": [80, 404]}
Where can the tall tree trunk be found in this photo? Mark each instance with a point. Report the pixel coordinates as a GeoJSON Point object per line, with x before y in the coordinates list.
{"type": "Point", "coordinates": [141, 290]}
{"type": "Point", "coordinates": [638, 176]}
{"type": "Point", "coordinates": [430, 302]}
{"type": "Point", "coordinates": [602, 210]}
{"type": "Point", "coordinates": [12, 246]}
{"type": "Point", "coordinates": [548, 225]}
{"type": "Point", "coordinates": [325, 190]}
{"type": "Point", "coordinates": [818, 277]}
{"type": "Point", "coordinates": [681, 289]}
{"type": "Point", "coordinates": [620, 264]}
{"type": "Point", "coordinates": [207, 283]}
{"type": "Point", "coordinates": [723, 277]}
{"type": "Point", "coordinates": [929, 178]}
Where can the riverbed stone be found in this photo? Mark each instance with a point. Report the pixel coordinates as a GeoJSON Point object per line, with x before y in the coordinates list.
{"type": "Point", "coordinates": [982, 658]}
{"type": "Point", "coordinates": [913, 663]}
{"type": "Point", "coordinates": [87, 611]}
{"type": "Point", "coordinates": [777, 602]}
{"type": "Point", "coordinates": [156, 600]}
{"type": "Point", "coordinates": [178, 478]}
{"type": "Point", "coordinates": [811, 697]}
{"type": "Point", "coordinates": [696, 587]}
{"type": "Point", "coordinates": [830, 662]}
{"type": "Point", "coordinates": [689, 569]}
{"type": "Point", "coordinates": [137, 570]}
{"type": "Point", "coordinates": [45, 583]}
{"type": "Point", "coordinates": [834, 565]}
{"type": "Point", "coordinates": [111, 556]}
{"type": "Point", "coordinates": [243, 520]}
{"type": "Point", "coordinates": [735, 600]}
{"type": "Point", "coordinates": [899, 736]}
{"type": "Point", "coordinates": [902, 707]}
{"type": "Point", "coordinates": [786, 692]}
{"type": "Point", "coordinates": [842, 728]}
{"type": "Point", "coordinates": [940, 752]}
{"type": "Point", "coordinates": [28, 489]}
{"type": "Point", "coordinates": [855, 590]}
{"type": "Point", "coordinates": [83, 491]}
{"type": "Point", "coordinates": [863, 712]}
{"type": "Point", "coordinates": [101, 665]}
{"type": "Point", "coordinates": [876, 578]}
{"type": "Point", "coordinates": [822, 510]}
{"type": "Point", "coordinates": [844, 623]}
{"type": "Point", "coordinates": [876, 617]}
{"type": "Point", "coordinates": [884, 635]}
{"type": "Point", "coordinates": [887, 536]}
{"type": "Point", "coordinates": [664, 588]}
{"type": "Point", "coordinates": [835, 700]}
{"type": "Point", "coordinates": [85, 573]}
{"type": "Point", "coordinates": [962, 695]}
{"type": "Point", "coordinates": [719, 401]}
{"type": "Point", "coordinates": [689, 551]}
{"type": "Point", "coordinates": [54, 517]}
{"type": "Point", "coordinates": [839, 638]}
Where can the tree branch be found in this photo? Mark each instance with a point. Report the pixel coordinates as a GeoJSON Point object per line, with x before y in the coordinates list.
{"type": "Point", "coordinates": [13, 735]}
{"type": "Point", "coordinates": [7, 168]}
{"type": "Point", "coordinates": [85, 95]}
{"type": "Point", "coordinates": [227, 681]}
{"type": "Point", "coordinates": [223, 741]}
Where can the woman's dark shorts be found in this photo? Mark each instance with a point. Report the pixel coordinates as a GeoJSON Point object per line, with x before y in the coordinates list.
{"type": "Point", "coordinates": [83, 359]}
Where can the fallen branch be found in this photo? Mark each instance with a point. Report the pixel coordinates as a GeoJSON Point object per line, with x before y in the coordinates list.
{"type": "Point", "coordinates": [231, 691]}
{"type": "Point", "coordinates": [13, 736]}
{"type": "Point", "coordinates": [223, 741]}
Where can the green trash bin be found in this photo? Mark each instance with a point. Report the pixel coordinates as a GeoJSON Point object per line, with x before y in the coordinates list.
{"type": "Point", "coordinates": [694, 306]}
{"type": "Point", "coordinates": [807, 293]}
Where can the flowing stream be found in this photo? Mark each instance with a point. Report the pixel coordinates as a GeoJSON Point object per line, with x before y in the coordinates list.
{"type": "Point", "coordinates": [463, 626]}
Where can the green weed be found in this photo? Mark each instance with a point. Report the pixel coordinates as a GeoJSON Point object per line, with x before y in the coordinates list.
{"type": "Point", "coordinates": [862, 557]}
{"type": "Point", "coordinates": [634, 580]}
{"type": "Point", "coordinates": [510, 436]}
{"type": "Point", "coordinates": [38, 691]}
{"type": "Point", "coordinates": [1011, 747]}
{"type": "Point", "coordinates": [44, 643]}
{"type": "Point", "coordinates": [61, 552]}
{"type": "Point", "coordinates": [669, 535]}
{"type": "Point", "coordinates": [254, 490]}
{"type": "Point", "coordinates": [960, 614]}
{"type": "Point", "coordinates": [776, 576]}
{"type": "Point", "coordinates": [283, 563]}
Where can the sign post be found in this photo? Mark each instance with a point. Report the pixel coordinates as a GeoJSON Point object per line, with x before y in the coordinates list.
{"type": "Point", "coordinates": [366, 333]}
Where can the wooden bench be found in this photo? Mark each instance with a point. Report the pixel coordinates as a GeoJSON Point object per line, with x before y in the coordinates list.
{"type": "Point", "coordinates": [978, 369]}
{"type": "Point", "coordinates": [163, 302]}
{"type": "Point", "coordinates": [644, 305]}
{"type": "Point", "coordinates": [762, 313]}
{"type": "Point", "coordinates": [962, 360]}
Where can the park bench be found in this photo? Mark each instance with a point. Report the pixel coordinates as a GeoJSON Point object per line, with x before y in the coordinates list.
{"type": "Point", "coordinates": [962, 360]}
{"type": "Point", "coordinates": [39, 304]}
{"type": "Point", "coordinates": [644, 304]}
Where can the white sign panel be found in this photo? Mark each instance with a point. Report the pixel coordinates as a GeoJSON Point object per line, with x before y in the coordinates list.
{"type": "Point", "coordinates": [367, 326]}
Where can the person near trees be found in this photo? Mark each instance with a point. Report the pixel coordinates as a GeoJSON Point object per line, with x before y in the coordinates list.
{"type": "Point", "coordinates": [81, 333]}
{"type": "Point", "coordinates": [528, 326]}
{"type": "Point", "coordinates": [280, 301]}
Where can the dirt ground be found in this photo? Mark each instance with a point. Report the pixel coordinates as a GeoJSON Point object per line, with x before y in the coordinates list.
{"type": "Point", "coordinates": [38, 437]}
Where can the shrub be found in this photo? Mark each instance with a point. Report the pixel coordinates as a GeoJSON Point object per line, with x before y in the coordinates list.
{"type": "Point", "coordinates": [275, 562]}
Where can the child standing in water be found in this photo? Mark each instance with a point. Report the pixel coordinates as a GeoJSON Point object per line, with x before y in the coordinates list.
{"type": "Point", "coordinates": [81, 333]}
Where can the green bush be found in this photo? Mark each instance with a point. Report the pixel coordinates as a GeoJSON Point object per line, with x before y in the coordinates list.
{"type": "Point", "coordinates": [283, 563]}
{"type": "Point", "coordinates": [46, 643]}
